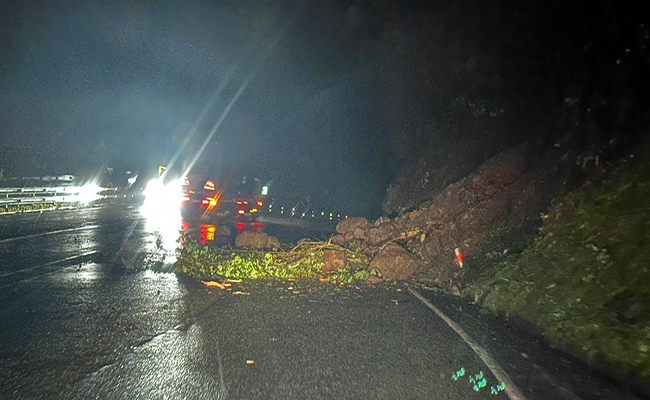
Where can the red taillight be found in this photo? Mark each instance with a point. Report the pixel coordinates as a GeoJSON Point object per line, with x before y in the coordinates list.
{"type": "Point", "coordinates": [241, 212]}
{"type": "Point", "coordinates": [205, 201]}
{"type": "Point", "coordinates": [186, 182]}
{"type": "Point", "coordinates": [259, 204]}
{"type": "Point", "coordinates": [209, 185]}
{"type": "Point", "coordinates": [245, 203]}
{"type": "Point", "coordinates": [186, 196]}
{"type": "Point", "coordinates": [239, 203]}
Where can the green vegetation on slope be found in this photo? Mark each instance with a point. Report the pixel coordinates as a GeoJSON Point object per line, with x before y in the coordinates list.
{"type": "Point", "coordinates": [584, 281]}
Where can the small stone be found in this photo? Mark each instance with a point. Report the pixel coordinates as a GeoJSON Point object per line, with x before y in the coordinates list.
{"type": "Point", "coordinates": [381, 220]}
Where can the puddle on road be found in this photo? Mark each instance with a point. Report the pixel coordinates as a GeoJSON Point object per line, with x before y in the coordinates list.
{"type": "Point", "coordinates": [87, 272]}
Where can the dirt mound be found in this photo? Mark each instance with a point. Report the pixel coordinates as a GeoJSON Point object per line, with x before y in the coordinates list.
{"type": "Point", "coordinates": [508, 190]}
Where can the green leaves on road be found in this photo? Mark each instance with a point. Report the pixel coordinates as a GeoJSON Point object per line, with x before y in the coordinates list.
{"type": "Point", "coordinates": [303, 261]}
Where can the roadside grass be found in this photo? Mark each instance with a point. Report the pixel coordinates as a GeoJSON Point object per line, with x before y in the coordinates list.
{"type": "Point", "coordinates": [584, 280]}
{"type": "Point", "coordinates": [305, 261]}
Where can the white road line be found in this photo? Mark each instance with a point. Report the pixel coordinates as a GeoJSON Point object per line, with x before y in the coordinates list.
{"type": "Point", "coordinates": [511, 389]}
{"type": "Point", "coordinates": [86, 254]}
{"type": "Point", "coordinates": [83, 228]}
{"type": "Point", "coordinates": [222, 392]}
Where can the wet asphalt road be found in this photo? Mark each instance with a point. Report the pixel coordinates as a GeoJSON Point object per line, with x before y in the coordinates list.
{"type": "Point", "coordinates": [82, 318]}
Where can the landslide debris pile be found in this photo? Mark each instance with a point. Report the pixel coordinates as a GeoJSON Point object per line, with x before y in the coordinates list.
{"type": "Point", "coordinates": [464, 215]}
{"type": "Point", "coordinates": [420, 242]}
{"type": "Point", "coordinates": [372, 253]}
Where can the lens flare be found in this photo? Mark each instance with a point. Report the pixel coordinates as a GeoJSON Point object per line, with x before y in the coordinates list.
{"type": "Point", "coordinates": [85, 194]}
{"type": "Point", "coordinates": [162, 199]}
{"type": "Point", "coordinates": [162, 212]}
{"type": "Point", "coordinates": [89, 193]}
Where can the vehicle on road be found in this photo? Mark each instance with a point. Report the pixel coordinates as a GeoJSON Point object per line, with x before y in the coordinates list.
{"type": "Point", "coordinates": [242, 199]}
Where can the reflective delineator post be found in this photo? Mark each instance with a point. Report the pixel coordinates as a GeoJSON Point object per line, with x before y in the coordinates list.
{"type": "Point", "coordinates": [459, 257]}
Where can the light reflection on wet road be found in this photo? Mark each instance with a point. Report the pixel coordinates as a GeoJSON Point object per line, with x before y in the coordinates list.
{"type": "Point", "coordinates": [81, 319]}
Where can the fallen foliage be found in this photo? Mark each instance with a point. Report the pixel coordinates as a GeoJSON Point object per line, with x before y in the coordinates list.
{"type": "Point", "coordinates": [214, 284]}
{"type": "Point", "coordinates": [302, 261]}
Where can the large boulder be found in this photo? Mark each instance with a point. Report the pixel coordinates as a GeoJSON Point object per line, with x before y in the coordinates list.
{"type": "Point", "coordinates": [333, 260]}
{"type": "Point", "coordinates": [253, 240]}
{"type": "Point", "coordinates": [349, 225]}
{"type": "Point", "coordinates": [393, 262]}
{"type": "Point", "coordinates": [338, 240]}
{"type": "Point", "coordinates": [273, 243]}
{"type": "Point", "coordinates": [360, 234]}
{"type": "Point", "coordinates": [380, 234]}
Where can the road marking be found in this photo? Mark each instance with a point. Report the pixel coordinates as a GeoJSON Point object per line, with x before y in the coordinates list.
{"type": "Point", "coordinates": [83, 228]}
{"type": "Point", "coordinates": [222, 392]}
{"type": "Point", "coordinates": [511, 390]}
{"type": "Point", "coordinates": [86, 254]}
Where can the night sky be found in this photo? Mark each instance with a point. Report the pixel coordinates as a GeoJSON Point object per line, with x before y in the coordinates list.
{"type": "Point", "coordinates": [86, 86]}
{"type": "Point", "coordinates": [333, 88]}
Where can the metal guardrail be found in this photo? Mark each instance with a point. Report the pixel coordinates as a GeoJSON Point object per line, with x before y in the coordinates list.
{"type": "Point", "coordinates": [30, 197]}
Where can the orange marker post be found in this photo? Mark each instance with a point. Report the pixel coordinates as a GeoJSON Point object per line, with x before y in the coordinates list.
{"type": "Point", "coordinates": [459, 257]}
